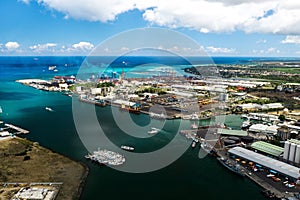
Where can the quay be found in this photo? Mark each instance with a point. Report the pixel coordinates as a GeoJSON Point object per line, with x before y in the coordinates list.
{"type": "Point", "coordinates": [278, 191]}
{"type": "Point", "coordinates": [20, 130]}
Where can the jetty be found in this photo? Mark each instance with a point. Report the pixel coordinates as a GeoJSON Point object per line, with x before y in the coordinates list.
{"type": "Point", "coordinates": [18, 129]}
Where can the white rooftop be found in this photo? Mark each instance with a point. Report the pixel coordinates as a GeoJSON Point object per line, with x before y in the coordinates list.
{"type": "Point", "coordinates": [263, 128]}
{"type": "Point", "coordinates": [119, 101]}
{"type": "Point", "coordinates": [266, 161]}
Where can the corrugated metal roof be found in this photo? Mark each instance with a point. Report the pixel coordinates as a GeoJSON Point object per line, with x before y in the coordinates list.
{"type": "Point", "coordinates": [267, 148]}
{"type": "Point", "coordinates": [231, 132]}
{"type": "Point", "coordinates": [268, 162]}
{"type": "Point", "coordinates": [294, 141]}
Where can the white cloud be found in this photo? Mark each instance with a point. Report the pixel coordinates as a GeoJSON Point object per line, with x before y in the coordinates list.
{"type": "Point", "coordinates": [94, 10]}
{"type": "Point", "coordinates": [24, 1]}
{"type": "Point", "coordinates": [269, 51]}
{"type": "Point", "coordinates": [291, 39]}
{"type": "Point", "coordinates": [11, 46]}
{"type": "Point", "coordinates": [272, 50]}
{"type": "Point", "coordinates": [221, 50]}
{"type": "Point", "coordinates": [264, 16]}
{"type": "Point", "coordinates": [83, 46]}
{"type": "Point", "coordinates": [124, 49]}
{"type": "Point", "coordinates": [43, 48]}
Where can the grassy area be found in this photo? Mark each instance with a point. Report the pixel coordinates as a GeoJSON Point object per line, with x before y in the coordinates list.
{"type": "Point", "coordinates": [289, 70]}
{"type": "Point", "coordinates": [26, 161]}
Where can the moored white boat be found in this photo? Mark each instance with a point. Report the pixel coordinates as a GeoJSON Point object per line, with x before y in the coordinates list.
{"type": "Point", "coordinates": [153, 131]}
{"type": "Point", "coordinates": [127, 148]}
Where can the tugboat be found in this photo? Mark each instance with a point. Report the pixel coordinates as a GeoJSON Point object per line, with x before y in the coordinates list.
{"type": "Point", "coordinates": [131, 109]}
{"type": "Point", "coordinates": [234, 167]}
{"type": "Point", "coordinates": [100, 103]}
{"type": "Point", "coordinates": [194, 126]}
{"type": "Point", "coordinates": [194, 143]}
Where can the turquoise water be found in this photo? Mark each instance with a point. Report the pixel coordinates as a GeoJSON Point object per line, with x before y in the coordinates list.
{"type": "Point", "coordinates": [187, 178]}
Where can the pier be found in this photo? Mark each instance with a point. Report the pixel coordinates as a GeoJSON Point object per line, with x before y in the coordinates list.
{"type": "Point", "coordinates": [18, 129]}
{"type": "Point", "coordinates": [276, 189]}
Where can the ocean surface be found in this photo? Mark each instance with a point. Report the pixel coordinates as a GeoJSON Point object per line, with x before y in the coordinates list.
{"type": "Point", "coordinates": [187, 178]}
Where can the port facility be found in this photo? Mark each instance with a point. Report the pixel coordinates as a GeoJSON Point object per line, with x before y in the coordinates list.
{"type": "Point", "coordinates": [269, 163]}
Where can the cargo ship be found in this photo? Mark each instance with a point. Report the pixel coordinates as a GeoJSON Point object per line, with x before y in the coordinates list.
{"type": "Point", "coordinates": [234, 167]}
{"type": "Point", "coordinates": [131, 109]}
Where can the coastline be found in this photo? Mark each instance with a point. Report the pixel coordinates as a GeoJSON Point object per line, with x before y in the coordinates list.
{"type": "Point", "coordinates": [44, 165]}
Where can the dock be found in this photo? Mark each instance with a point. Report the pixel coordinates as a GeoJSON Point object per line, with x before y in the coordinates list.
{"type": "Point", "coordinates": [278, 193]}
{"type": "Point", "coordinates": [18, 129]}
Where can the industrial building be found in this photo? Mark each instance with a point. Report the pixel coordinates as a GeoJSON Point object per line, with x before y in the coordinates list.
{"type": "Point", "coordinates": [264, 129]}
{"type": "Point", "coordinates": [292, 151]}
{"type": "Point", "coordinates": [228, 132]}
{"type": "Point", "coordinates": [267, 162]}
{"type": "Point", "coordinates": [267, 148]}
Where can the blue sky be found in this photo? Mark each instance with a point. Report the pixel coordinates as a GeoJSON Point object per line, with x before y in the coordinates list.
{"type": "Point", "coordinates": [220, 27]}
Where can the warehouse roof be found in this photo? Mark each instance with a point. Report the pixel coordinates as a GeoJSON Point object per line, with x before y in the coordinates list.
{"type": "Point", "coordinates": [294, 141]}
{"type": "Point", "coordinates": [266, 161]}
{"type": "Point", "coordinates": [223, 131]}
{"type": "Point", "coordinates": [267, 148]}
{"type": "Point", "coordinates": [264, 128]}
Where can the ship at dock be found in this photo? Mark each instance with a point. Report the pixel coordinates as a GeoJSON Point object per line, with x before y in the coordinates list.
{"type": "Point", "coordinates": [100, 103]}
{"type": "Point", "coordinates": [234, 167]}
{"type": "Point", "coordinates": [132, 109]}
{"type": "Point", "coordinates": [104, 156]}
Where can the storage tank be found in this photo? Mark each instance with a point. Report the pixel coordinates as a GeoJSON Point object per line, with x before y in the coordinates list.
{"type": "Point", "coordinates": [247, 139]}
{"type": "Point", "coordinates": [229, 142]}
{"type": "Point", "coordinates": [292, 152]}
{"type": "Point", "coordinates": [297, 155]}
{"type": "Point", "coordinates": [286, 150]}
{"type": "Point", "coordinates": [236, 139]}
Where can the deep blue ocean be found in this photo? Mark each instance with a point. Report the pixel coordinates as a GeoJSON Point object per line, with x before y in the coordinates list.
{"type": "Point", "coordinates": [187, 178]}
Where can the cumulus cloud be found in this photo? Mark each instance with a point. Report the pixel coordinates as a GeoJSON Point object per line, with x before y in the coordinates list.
{"type": "Point", "coordinates": [11, 46]}
{"type": "Point", "coordinates": [94, 10]}
{"type": "Point", "coordinates": [212, 49]}
{"type": "Point", "coordinates": [264, 16]}
{"type": "Point", "coordinates": [124, 49]}
{"type": "Point", "coordinates": [59, 49]}
{"type": "Point", "coordinates": [272, 50]}
{"type": "Point", "coordinates": [291, 39]}
{"type": "Point", "coordinates": [43, 48]}
{"type": "Point", "coordinates": [84, 46]}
